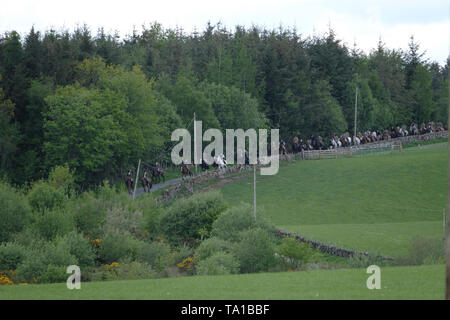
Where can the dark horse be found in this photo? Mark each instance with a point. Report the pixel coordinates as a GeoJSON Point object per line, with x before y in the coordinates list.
{"type": "Point", "coordinates": [157, 174]}
{"type": "Point", "coordinates": [185, 171]}
{"type": "Point", "coordinates": [146, 184]}
{"type": "Point", "coordinates": [129, 183]}
{"type": "Point", "coordinates": [204, 165]}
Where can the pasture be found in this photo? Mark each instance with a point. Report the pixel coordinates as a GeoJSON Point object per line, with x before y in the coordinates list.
{"type": "Point", "coordinates": [418, 282]}
{"type": "Point", "coordinates": [375, 203]}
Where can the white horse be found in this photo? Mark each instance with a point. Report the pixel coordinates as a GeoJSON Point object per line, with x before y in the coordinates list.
{"type": "Point", "coordinates": [221, 162]}
{"type": "Point", "coordinates": [356, 141]}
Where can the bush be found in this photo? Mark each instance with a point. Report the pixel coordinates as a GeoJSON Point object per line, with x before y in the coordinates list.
{"type": "Point", "coordinates": [79, 247]}
{"type": "Point", "coordinates": [11, 255]}
{"type": "Point", "coordinates": [62, 179]}
{"type": "Point", "coordinates": [53, 274]}
{"type": "Point", "coordinates": [423, 251]}
{"type": "Point", "coordinates": [38, 263]}
{"type": "Point", "coordinates": [255, 250]}
{"type": "Point", "coordinates": [211, 246]}
{"type": "Point", "coordinates": [230, 223]}
{"type": "Point", "coordinates": [156, 254]}
{"type": "Point", "coordinates": [14, 212]}
{"type": "Point", "coordinates": [179, 254]}
{"type": "Point", "coordinates": [296, 254]}
{"type": "Point", "coordinates": [192, 217]}
{"type": "Point", "coordinates": [51, 224]}
{"type": "Point", "coordinates": [363, 261]}
{"type": "Point", "coordinates": [133, 270]}
{"type": "Point", "coordinates": [44, 197]}
{"type": "Point", "coordinates": [124, 220]}
{"type": "Point", "coordinates": [217, 264]}
{"type": "Point", "coordinates": [89, 215]}
{"type": "Point", "coordinates": [116, 246]}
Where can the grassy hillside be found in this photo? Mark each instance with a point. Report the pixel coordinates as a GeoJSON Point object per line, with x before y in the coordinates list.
{"type": "Point", "coordinates": [374, 203]}
{"type": "Point", "coordinates": [396, 283]}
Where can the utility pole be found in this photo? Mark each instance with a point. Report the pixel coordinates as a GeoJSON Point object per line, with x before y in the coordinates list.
{"type": "Point", "coordinates": [136, 181]}
{"type": "Point", "coordinates": [254, 190]}
{"type": "Point", "coordinates": [447, 232]}
{"type": "Point", "coordinates": [356, 109]}
{"type": "Point", "coordinates": [195, 145]}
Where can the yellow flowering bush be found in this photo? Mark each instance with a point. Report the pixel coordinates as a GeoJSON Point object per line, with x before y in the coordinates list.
{"type": "Point", "coordinates": [112, 266]}
{"type": "Point", "coordinates": [96, 242]}
{"type": "Point", "coordinates": [8, 277]}
{"type": "Point", "coordinates": [4, 280]}
{"type": "Point", "coordinates": [187, 264]}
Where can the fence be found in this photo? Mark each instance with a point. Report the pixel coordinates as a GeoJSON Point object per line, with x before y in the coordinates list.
{"type": "Point", "coordinates": [380, 147]}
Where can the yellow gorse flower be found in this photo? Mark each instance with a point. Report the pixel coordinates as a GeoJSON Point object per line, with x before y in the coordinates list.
{"type": "Point", "coordinates": [112, 265]}
{"type": "Point", "coordinates": [4, 280]}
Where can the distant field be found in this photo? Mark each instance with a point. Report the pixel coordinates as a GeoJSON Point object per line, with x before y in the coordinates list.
{"type": "Point", "coordinates": [374, 203]}
{"type": "Point", "coordinates": [421, 282]}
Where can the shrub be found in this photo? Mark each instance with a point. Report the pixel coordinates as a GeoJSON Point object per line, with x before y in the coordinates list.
{"type": "Point", "coordinates": [32, 267]}
{"type": "Point", "coordinates": [217, 264]}
{"type": "Point", "coordinates": [115, 246]}
{"type": "Point", "coordinates": [14, 212]}
{"type": "Point", "coordinates": [192, 217]}
{"type": "Point", "coordinates": [297, 254]}
{"type": "Point", "coordinates": [89, 215]}
{"type": "Point", "coordinates": [363, 261]}
{"type": "Point", "coordinates": [11, 255]}
{"type": "Point", "coordinates": [53, 274]}
{"type": "Point", "coordinates": [62, 179]}
{"type": "Point", "coordinates": [134, 270]}
{"type": "Point", "coordinates": [37, 263]}
{"type": "Point", "coordinates": [423, 250]}
{"type": "Point", "coordinates": [255, 250]}
{"type": "Point", "coordinates": [179, 254]}
{"type": "Point", "coordinates": [122, 271]}
{"type": "Point", "coordinates": [44, 197]}
{"type": "Point", "coordinates": [53, 223]}
{"type": "Point", "coordinates": [230, 223]}
{"type": "Point", "coordinates": [124, 220]}
{"type": "Point", "coordinates": [211, 246]}
{"type": "Point", "coordinates": [154, 253]}
{"type": "Point", "coordinates": [79, 247]}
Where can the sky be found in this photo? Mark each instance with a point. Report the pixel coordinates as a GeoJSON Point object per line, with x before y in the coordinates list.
{"type": "Point", "coordinates": [362, 22]}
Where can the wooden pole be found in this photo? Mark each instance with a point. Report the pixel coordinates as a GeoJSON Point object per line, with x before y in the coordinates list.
{"type": "Point", "coordinates": [254, 191]}
{"type": "Point", "coordinates": [447, 236]}
{"type": "Point", "coordinates": [195, 145]}
{"type": "Point", "coordinates": [356, 109]}
{"type": "Point", "coordinates": [137, 177]}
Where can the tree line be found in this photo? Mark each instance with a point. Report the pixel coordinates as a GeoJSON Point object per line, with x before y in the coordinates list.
{"type": "Point", "coordinates": [97, 102]}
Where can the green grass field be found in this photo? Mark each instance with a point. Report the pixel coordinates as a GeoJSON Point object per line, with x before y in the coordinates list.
{"type": "Point", "coordinates": [420, 282]}
{"type": "Point", "coordinates": [375, 203]}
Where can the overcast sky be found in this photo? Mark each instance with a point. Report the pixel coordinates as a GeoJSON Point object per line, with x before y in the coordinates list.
{"type": "Point", "coordinates": [363, 21]}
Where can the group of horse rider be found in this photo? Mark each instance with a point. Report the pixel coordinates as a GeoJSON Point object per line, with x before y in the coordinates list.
{"type": "Point", "coordinates": [146, 181]}
{"type": "Point", "coordinates": [368, 136]}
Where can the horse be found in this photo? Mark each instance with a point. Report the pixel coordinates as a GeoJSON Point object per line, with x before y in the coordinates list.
{"type": "Point", "coordinates": [130, 184]}
{"type": "Point", "coordinates": [185, 171]}
{"type": "Point", "coordinates": [282, 149]}
{"type": "Point", "coordinates": [204, 165]}
{"type": "Point", "coordinates": [157, 173]}
{"type": "Point", "coordinates": [297, 146]}
{"type": "Point", "coordinates": [220, 162]}
{"type": "Point", "coordinates": [146, 183]}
